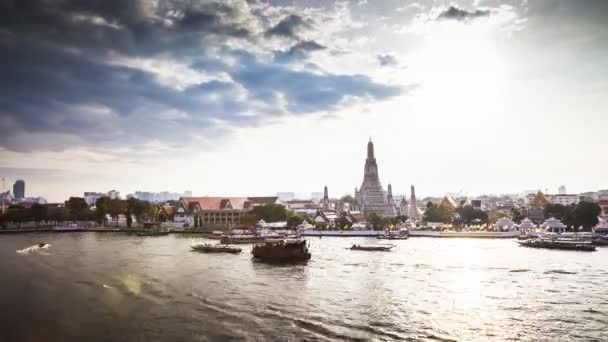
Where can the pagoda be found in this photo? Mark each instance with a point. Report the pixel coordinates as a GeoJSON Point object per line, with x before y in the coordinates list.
{"type": "Point", "coordinates": [371, 198]}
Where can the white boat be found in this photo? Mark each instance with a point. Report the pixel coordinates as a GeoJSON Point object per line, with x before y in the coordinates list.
{"type": "Point", "coordinates": [464, 234]}
{"type": "Point", "coordinates": [69, 227]}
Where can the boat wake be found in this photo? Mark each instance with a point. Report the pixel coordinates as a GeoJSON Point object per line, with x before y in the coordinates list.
{"type": "Point", "coordinates": [35, 248]}
{"type": "Point", "coordinates": [559, 272]}
{"type": "Point", "coordinates": [517, 270]}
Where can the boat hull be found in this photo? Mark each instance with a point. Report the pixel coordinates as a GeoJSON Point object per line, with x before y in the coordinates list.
{"type": "Point", "coordinates": [567, 246]}
{"type": "Point", "coordinates": [212, 249]}
{"type": "Point", "coordinates": [281, 252]}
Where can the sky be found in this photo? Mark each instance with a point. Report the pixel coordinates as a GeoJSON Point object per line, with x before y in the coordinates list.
{"type": "Point", "coordinates": [256, 97]}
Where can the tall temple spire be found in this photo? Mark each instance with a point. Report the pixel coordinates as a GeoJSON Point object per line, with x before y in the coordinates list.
{"type": "Point", "coordinates": [371, 197]}
{"type": "Point", "coordinates": [325, 199]}
{"type": "Point", "coordinates": [413, 209]}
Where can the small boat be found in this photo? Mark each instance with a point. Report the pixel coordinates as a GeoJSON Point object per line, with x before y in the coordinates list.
{"type": "Point", "coordinates": [401, 234]}
{"type": "Point", "coordinates": [281, 251]}
{"type": "Point", "coordinates": [372, 248]}
{"type": "Point", "coordinates": [601, 241]}
{"type": "Point", "coordinates": [240, 239]}
{"type": "Point", "coordinates": [563, 244]}
{"type": "Point", "coordinates": [152, 233]}
{"type": "Point", "coordinates": [215, 235]}
{"type": "Point", "coordinates": [209, 248]}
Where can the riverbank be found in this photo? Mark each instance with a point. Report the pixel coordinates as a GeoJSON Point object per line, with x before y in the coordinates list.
{"type": "Point", "coordinates": [95, 230]}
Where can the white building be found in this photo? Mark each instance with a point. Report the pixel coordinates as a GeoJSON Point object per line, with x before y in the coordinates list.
{"type": "Point", "coordinates": [286, 196]}
{"type": "Point", "coordinates": [113, 194]}
{"type": "Point", "coordinates": [563, 199]}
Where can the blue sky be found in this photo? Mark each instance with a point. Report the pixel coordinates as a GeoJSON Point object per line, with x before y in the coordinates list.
{"type": "Point", "coordinates": [255, 97]}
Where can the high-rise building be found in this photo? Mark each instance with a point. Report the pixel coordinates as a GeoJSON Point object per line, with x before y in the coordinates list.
{"type": "Point", "coordinates": [371, 197]}
{"type": "Point", "coordinates": [562, 190]}
{"type": "Point", "coordinates": [113, 194]}
{"type": "Point", "coordinates": [316, 196]}
{"type": "Point", "coordinates": [286, 196]}
{"type": "Point", "coordinates": [19, 189]}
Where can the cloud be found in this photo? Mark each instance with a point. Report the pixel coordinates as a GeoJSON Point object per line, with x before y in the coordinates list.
{"type": "Point", "coordinates": [119, 73]}
{"type": "Point", "coordinates": [289, 27]}
{"type": "Point", "coordinates": [299, 51]}
{"type": "Point", "coordinates": [455, 13]}
{"type": "Point", "coordinates": [387, 60]}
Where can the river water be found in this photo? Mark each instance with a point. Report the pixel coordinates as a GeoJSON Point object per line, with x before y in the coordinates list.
{"type": "Point", "coordinates": [116, 287]}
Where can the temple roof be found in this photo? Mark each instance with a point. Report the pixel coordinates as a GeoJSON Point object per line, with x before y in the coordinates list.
{"type": "Point", "coordinates": [540, 200]}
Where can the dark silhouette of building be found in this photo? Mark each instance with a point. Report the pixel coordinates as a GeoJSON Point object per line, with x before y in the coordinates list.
{"type": "Point", "coordinates": [19, 189]}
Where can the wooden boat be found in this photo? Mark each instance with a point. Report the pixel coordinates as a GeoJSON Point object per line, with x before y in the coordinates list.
{"type": "Point", "coordinates": [152, 233]}
{"type": "Point", "coordinates": [281, 251]}
{"type": "Point", "coordinates": [240, 239]}
{"type": "Point", "coordinates": [601, 241]}
{"type": "Point", "coordinates": [209, 248]}
{"type": "Point", "coordinates": [372, 248]}
{"type": "Point", "coordinates": [393, 237]}
{"type": "Point", "coordinates": [571, 245]}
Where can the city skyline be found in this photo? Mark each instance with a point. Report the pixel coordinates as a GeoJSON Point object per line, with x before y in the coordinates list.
{"type": "Point", "coordinates": [254, 98]}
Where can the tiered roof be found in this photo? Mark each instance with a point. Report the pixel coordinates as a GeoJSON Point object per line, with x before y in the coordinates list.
{"type": "Point", "coordinates": [540, 200]}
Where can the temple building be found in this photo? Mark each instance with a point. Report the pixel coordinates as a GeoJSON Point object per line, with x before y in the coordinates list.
{"type": "Point", "coordinates": [371, 197]}
{"type": "Point", "coordinates": [413, 211]}
{"type": "Point", "coordinates": [536, 212]}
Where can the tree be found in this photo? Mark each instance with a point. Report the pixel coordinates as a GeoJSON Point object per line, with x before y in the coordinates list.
{"type": "Point", "coordinates": [517, 216]}
{"type": "Point", "coordinates": [141, 210]}
{"type": "Point", "coordinates": [437, 213]}
{"type": "Point", "coordinates": [78, 208]}
{"type": "Point", "coordinates": [343, 222]}
{"type": "Point", "coordinates": [270, 212]}
{"type": "Point", "coordinates": [102, 209]}
{"type": "Point", "coordinates": [295, 220]}
{"type": "Point", "coordinates": [560, 212]}
{"type": "Point", "coordinates": [18, 215]}
{"type": "Point", "coordinates": [57, 214]}
{"type": "Point", "coordinates": [116, 207]}
{"type": "Point", "coordinates": [586, 214]}
{"type": "Point", "coordinates": [248, 220]}
{"type": "Point", "coordinates": [377, 221]}
{"type": "Point", "coordinates": [39, 212]}
{"type": "Point", "coordinates": [347, 199]}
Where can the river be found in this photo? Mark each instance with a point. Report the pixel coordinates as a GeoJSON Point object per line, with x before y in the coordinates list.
{"type": "Point", "coordinates": [117, 287]}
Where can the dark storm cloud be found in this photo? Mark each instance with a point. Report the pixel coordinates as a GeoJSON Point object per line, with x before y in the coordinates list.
{"type": "Point", "coordinates": [298, 51]}
{"type": "Point", "coordinates": [289, 27]}
{"type": "Point", "coordinates": [307, 91]}
{"type": "Point", "coordinates": [387, 60]}
{"type": "Point", "coordinates": [61, 75]}
{"type": "Point", "coordinates": [456, 13]}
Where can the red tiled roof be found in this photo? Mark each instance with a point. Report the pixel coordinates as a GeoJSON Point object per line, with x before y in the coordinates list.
{"type": "Point", "coordinates": [264, 200]}
{"type": "Point", "coordinates": [300, 201]}
{"type": "Point", "coordinates": [215, 203]}
{"type": "Point", "coordinates": [169, 209]}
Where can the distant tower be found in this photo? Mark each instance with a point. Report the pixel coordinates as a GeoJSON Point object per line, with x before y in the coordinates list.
{"type": "Point", "coordinates": [389, 195]}
{"type": "Point", "coordinates": [19, 189]}
{"type": "Point", "coordinates": [413, 209]}
{"type": "Point", "coordinates": [325, 199]}
{"type": "Point", "coordinates": [403, 207]}
{"type": "Point", "coordinates": [562, 190]}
